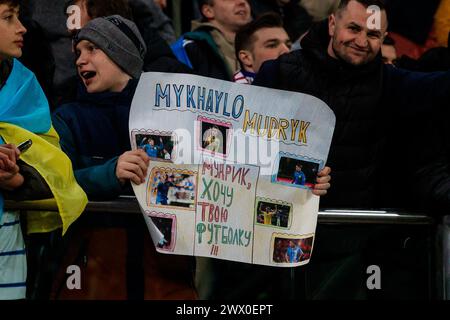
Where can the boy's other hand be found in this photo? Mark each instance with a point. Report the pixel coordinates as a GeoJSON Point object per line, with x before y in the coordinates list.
{"type": "Point", "coordinates": [132, 165]}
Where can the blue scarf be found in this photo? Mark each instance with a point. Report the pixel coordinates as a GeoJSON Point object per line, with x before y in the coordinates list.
{"type": "Point", "coordinates": [22, 103]}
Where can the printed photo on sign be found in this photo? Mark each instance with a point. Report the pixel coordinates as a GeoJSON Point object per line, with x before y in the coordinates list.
{"type": "Point", "coordinates": [166, 224]}
{"type": "Point", "coordinates": [273, 214]}
{"type": "Point", "coordinates": [213, 136]}
{"type": "Point", "coordinates": [292, 250]}
{"type": "Point", "coordinates": [172, 188]}
{"type": "Point", "coordinates": [296, 172]}
{"type": "Point", "coordinates": [156, 146]}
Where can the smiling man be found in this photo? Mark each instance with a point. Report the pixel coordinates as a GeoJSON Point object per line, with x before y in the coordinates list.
{"type": "Point", "coordinates": [353, 38]}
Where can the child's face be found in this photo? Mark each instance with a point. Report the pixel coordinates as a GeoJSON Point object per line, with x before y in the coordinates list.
{"type": "Point", "coordinates": [98, 72]}
{"type": "Point", "coordinates": [11, 32]}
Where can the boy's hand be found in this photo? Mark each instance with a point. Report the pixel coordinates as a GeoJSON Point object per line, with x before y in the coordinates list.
{"type": "Point", "coordinates": [132, 165]}
{"type": "Point", "coordinates": [322, 182]}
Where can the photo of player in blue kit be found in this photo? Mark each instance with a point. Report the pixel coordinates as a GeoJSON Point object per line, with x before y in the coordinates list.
{"type": "Point", "coordinates": [299, 176]}
{"type": "Point", "coordinates": [156, 146]}
{"type": "Point", "coordinates": [151, 149]}
{"type": "Point", "coordinates": [170, 188]}
{"type": "Point", "coordinates": [292, 250]}
{"type": "Point", "coordinates": [296, 172]}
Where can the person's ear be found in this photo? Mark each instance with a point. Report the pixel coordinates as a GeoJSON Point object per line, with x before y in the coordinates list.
{"type": "Point", "coordinates": [246, 58]}
{"type": "Point", "coordinates": [331, 25]}
{"type": "Point", "coordinates": [208, 11]}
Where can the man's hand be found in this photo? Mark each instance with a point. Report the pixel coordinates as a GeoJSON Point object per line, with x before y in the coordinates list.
{"type": "Point", "coordinates": [132, 165]}
{"type": "Point", "coordinates": [322, 182]}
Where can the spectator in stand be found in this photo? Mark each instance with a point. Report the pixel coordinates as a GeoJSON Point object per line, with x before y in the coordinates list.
{"type": "Point", "coordinates": [209, 48]}
{"type": "Point", "coordinates": [388, 52]}
{"type": "Point", "coordinates": [262, 39]}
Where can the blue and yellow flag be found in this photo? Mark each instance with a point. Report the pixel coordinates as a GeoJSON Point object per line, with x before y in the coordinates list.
{"type": "Point", "coordinates": [25, 114]}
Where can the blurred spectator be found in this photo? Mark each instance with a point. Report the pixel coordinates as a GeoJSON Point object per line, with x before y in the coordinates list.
{"type": "Point", "coordinates": [160, 58]}
{"type": "Point", "coordinates": [262, 39]}
{"type": "Point", "coordinates": [209, 48]}
{"type": "Point", "coordinates": [146, 13]}
{"type": "Point", "coordinates": [319, 10]}
{"type": "Point", "coordinates": [50, 15]}
{"type": "Point", "coordinates": [442, 23]}
{"type": "Point", "coordinates": [37, 54]}
{"type": "Point", "coordinates": [161, 3]}
{"type": "Point", "coordinates": [434, 59]}
{"type": "Point", "coordinates": [413, 20]}
{"type": "Point", "coordinates": [388, 52]}
{"type": "Point", "coordinates": [296, 19]}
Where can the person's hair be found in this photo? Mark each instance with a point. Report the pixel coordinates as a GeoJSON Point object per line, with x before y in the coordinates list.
{"type": "Point", "coordinates": [366, 3]}
{"type": "Point", "coordinates": [388, 41]}
{"type": "Point", "coordinates": [104, 8]}
{"type": "Point", "coordinates": [11, 3]}
{"type": "Point", "coordinates": [245, 37]}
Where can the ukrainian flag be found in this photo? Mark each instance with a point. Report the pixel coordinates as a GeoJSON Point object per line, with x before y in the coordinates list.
{"type": "Point", "coordinates": [25, 114]}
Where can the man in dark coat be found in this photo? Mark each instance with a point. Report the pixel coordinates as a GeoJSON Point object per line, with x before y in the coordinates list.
{"type": "Point", "coordinates": [341, 64]}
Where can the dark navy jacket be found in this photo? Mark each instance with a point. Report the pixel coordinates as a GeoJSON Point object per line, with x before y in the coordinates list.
{"type": "Point", "coordinates": [94, 132]}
